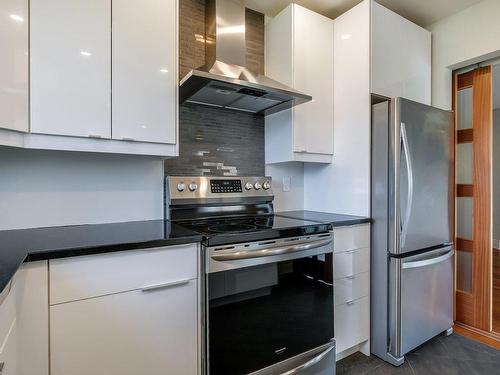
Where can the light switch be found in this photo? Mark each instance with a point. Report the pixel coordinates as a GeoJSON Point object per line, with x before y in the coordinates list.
{"type": "Point", "coordinates": [287, 182]}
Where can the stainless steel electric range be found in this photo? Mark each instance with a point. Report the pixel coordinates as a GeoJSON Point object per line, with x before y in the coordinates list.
{"type": "Point", "coordinates": [268, 279]}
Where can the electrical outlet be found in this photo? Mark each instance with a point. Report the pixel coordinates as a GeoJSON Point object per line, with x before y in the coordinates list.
{"type": "Point", "coordinates": [287, 182]}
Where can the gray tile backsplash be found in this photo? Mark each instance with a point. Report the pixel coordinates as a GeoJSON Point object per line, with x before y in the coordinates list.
{"type": "Point", "coordinates": [218, 142]}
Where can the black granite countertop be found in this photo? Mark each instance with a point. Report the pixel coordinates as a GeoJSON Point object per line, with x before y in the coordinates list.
{"type": "Point", "coordinates": [336, 220]}
{"type": "Point", "coordinates": [25, 245]}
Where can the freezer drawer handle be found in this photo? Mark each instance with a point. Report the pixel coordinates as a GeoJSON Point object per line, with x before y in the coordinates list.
{"type": "Point", "coordinates": [428, 262]}
{"type": "Point", "coordinates": [249, 254]}
{"type": "Point", "coordinates": [309, 363]}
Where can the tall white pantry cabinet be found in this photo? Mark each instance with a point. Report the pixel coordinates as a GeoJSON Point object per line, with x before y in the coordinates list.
{"type": "Point", "coordinates": [376, 51]}
{"type": "Point", "coordinates": [93, 83]}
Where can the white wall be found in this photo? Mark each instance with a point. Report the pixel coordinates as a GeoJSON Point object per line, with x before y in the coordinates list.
{"type": "Point", "coordinates": [287, 200]}
{"type": "Point", "coordinates": [45, 188]}
{"type": "Point", "coordinates": [465, 38]}
{"type": "Point", "coordinates": [344, 185]}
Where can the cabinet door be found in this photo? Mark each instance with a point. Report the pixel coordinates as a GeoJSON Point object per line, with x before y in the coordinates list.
{"type": "Point", "coordinates": [313, 75]}
{"type": "Point", "coordinates": [71, 67]}
{"type": "Point", "coordinates": [145, 70]}
{"type": "Point", "coordinates": [14, 65]}
{"type": "Point", "coordinates": [150, 332]}
{"type": "Point", "coordinates": [401, 57]}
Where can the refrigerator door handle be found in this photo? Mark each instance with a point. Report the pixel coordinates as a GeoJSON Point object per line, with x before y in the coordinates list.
{"type": "Point", "coordinates": [428, 262]}
{"type": "Point", "coordinates": [409, 196]}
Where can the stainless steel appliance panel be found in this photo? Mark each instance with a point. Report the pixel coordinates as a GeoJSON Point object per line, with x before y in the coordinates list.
{"type": "Point", "coordinates": [425, 186]}
{"type": "Point", "coordinates": [426, 298]}
{"type": "Point", "coordinates": [379, 239]}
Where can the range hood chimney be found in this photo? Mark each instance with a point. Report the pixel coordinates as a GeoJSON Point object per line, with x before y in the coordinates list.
{"type": "Point", "coordinates": [224, 81]}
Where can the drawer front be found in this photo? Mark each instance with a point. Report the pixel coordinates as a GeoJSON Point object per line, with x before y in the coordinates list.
{"type": "Point", "coordinates": [352, 323]}
{"type": "Point", "coordinates": [96, 275]}
{"type": "Point", "coordinates": [351, 237]}
{"type": "Point", "coordinates": [7, 313]}
{"type": "Point", "coordinates": [352, 288]}
{"type": "Point", "coordinates": [351, 263]}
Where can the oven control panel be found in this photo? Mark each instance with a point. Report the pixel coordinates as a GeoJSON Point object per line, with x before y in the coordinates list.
{"type": "Point", "coordinates": [195, 188]}
{"type": "Point", "coordinates": [225, 186]}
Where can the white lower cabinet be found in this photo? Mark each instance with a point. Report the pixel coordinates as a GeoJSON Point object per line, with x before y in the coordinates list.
{"type": "Point", "coordinates": [352, 289]}
{"type": "Point", "coordinates": [354, 323]}
{"type": "Point", "coordinates": [24, 336]}
{"type": "Point", "coordinates": [138, 332]}
{"type": "Point", "coordinates": [126, 313]}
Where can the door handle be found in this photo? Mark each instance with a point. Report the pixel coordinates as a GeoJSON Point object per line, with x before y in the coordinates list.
{"type": "Point", "coordinates": [409, 195]}
{"type": "Point", "coordinates": [309, 363]}
{"type": "Point", "coordinates": [278, 250]}
{"type": "Point", "coordinates": [428, 262]}
{"type": "Point", "coordinates": [171, 284]}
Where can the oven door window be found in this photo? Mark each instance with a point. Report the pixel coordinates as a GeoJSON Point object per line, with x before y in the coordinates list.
{"type": "Point", "coordinates": [261, 315]}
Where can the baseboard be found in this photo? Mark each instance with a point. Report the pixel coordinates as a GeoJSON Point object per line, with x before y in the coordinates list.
{"type": "Point", "coordinates": [358, 348]}
{"type": "Point", "coordinates": [488, 338]}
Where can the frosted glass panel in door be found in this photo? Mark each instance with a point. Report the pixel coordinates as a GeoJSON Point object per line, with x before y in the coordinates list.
{"type": "Point", "coordinates": [71, 67]}
{"type": "Point", "coordinates": [464, 271]}
{"type": "Point", "coordinates": [464, 217]}
{"type": "Point", "coordinates": [145, 70]}
{"type": "Point", "coordinates": [464, 109]}
{"type": "Point", "coordinates": [464, 163]}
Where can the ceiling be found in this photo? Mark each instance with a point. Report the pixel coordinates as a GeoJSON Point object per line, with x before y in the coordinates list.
{"type": "Point", "coordinates": [422, 12]}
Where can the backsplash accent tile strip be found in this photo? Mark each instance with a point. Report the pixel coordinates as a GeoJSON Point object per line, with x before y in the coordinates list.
{"type": "Point", "coordinates": [218, 142]}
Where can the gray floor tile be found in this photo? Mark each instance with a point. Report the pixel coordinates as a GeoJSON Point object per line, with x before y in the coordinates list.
{"type": "Point", "coordinates": [453, 355]}
{"type": "Point", "coordinates": [357, 363]}
{"type": "Point", "coordinates": [387, 369]}
{"type": "Point", "coordinates": [460, 347]}
{"type": "Point", "coordinates": [433, 365]}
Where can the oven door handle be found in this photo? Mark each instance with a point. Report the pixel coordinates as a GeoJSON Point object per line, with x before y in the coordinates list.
{"type": "Point", "coordinates": [270, 251]}
{"type": "Point", "coordinates": [309, 363]}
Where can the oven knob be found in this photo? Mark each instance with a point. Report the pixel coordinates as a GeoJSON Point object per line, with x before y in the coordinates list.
{"type": "Point", "coordinates": [257, 186]}
{"type": "Point", "coordinates": [193, 186]}
{"type": "Point", "coordinates": [248, 186]}
{"type": "Point", "coordinates": [181, 186]}
{"type": "Point", "coordinates": [266, 185]}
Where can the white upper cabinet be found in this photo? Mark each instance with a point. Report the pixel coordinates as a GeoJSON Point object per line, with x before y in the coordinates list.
{"type": "Point", "coordinates": [14, 23]}
{"type": "Point", "coordinates": [400, 56]}
{"type": "Point", "coordinates": [71, 67]}
{"type": "Point", "coordinates": [299, 53]}
{"type": "Point", "coordinates": [145, 70]}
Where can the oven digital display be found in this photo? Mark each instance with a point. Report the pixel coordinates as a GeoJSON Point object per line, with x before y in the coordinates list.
{"type": "Point", "coordinates": [225, 186]}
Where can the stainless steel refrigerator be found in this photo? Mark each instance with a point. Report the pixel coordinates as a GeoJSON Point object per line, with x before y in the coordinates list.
{"type": "Point", "coordinates": [412, 209]}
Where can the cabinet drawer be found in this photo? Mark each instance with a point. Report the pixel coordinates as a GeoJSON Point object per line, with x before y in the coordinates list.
{"type": "Point", "coordinates": [352, 323]}
{"type": "Point", "coordinates": [352, 288]}
{"type": "Point", "coordinates": [351, 263]}
{"type": "Point", "coordinates": [96, 275]}
{"type": "Point", "coordinates": [351, 238]}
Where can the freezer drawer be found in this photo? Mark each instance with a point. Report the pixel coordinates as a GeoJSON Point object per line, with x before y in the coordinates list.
{"type": "Point", "coordinates": [426, 295]}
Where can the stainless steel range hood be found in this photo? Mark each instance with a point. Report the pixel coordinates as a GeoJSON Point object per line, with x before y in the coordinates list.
{"type": "Point", "coordinates": [224, 81]}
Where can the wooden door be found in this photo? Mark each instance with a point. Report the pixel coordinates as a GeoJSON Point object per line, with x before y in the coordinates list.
{"type": "Point", "coordinates": [472, 102]}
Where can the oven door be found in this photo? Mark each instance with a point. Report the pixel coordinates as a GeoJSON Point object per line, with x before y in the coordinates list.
{"type": "Point", "coordinates": [270, 313]}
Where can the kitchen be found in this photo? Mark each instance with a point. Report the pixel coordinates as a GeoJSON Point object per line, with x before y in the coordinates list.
{"type": "Point", "coordinates": [208, 202]}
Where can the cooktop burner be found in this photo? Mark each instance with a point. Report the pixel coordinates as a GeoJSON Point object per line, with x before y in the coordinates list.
{"type": "Point", "coordinates": [233, 225]}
